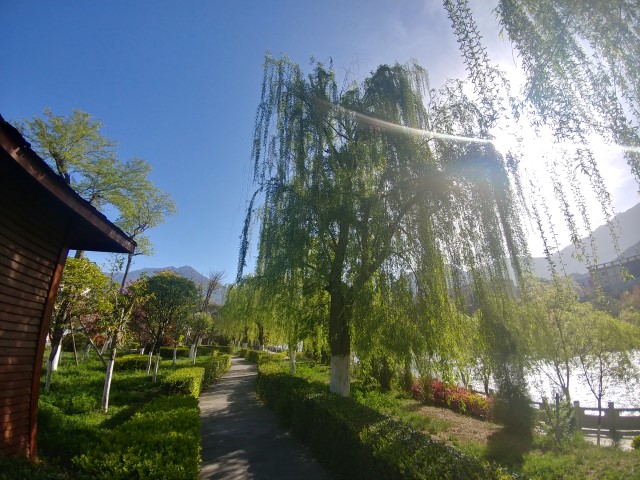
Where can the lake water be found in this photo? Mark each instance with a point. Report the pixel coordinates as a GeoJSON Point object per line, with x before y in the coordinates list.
{"type": "Point", "coordinates": [623, 394]}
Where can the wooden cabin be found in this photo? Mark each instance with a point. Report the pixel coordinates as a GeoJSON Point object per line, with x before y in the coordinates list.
{"type": "Point", "coordinates": [41, 218]}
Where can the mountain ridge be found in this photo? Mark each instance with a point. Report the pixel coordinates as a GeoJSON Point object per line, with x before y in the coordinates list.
{"type": "Point", "coordinates": [628, 241]}
{"type": "Point", "coordinates": [185, 271]}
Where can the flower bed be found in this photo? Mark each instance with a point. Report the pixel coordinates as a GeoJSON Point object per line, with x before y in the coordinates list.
{"type": "Point", "coordinates": [458, 399]}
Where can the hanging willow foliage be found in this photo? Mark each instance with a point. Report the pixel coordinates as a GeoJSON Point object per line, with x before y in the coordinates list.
{"type": "Point", "coordinates": [353, 195]}
{"type": "Point", "coordinates": [582, 70]}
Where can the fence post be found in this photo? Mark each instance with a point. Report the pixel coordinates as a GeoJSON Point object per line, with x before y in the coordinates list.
{"type": "Point", "coordinates": [612, 416]}
{"type": "Point", "coordinates": [577, 411]}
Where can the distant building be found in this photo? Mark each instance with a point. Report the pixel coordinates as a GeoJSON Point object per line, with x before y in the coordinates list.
{"type": "Point", "coordinates": [610, 275]}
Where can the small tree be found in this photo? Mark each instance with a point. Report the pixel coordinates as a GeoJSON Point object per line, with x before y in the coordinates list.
{"type": "Point", "coordinates": [604, 353]}
{"type": "Point", "coordinates": [171, 298]}
{"type": "Point", "coordinates": [125, 302]}
{"type": "Point", "coordinates": [199, 324]}
{"type": "Point", "coordinates": [82, 291]}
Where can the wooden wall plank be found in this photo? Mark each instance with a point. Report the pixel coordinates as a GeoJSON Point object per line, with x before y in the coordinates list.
{"type": "Point", "coordinates": [23, 279]}
{"type": "Point", "coordinates": [15, 335]}
{"type": "Point", "coordinates": [14, 343]}
{"type": "Point", "coordinates": [19, 322]}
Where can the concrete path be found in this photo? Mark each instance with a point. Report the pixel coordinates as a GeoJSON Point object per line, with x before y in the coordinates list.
{"type": "Point", "coordinates": [243, 439]}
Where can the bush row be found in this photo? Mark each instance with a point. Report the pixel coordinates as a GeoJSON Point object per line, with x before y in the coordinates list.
{"type": "Point", "coordinates": [127, 363]}
{"type": "Point", "coordinates": [166, 353]}
{"type": "Point", "coordinates": [357, 442]}
{"type": "Point", "coordinates": [458, 399]}
{"type": "Point", "coordinates": [259, 357]}
{"type": "Point", "coordinates": [214, 366]}
{"type": "Point", "coordinates": [16, 467]}
{"type": "Point", "coordinates": [162, 440]}
{"type": "Point", "coordinates": [184, 381]}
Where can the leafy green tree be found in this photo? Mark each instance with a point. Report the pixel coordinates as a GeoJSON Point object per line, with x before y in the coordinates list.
{"type": "Point", "coordinates": [551, 310]}
{"type": "Point", "coordinates": [83, 291]}
{"type": "Point", "coordinates": [199, 324]}
{"type": "Point", "coordinates": [116, 325]}
{"type": "Point", "coordinates": [352, 186]}
{"type": "Point", "coordinates": [171, 298]}
{"type": "Point", "coordinates": [604, 347]}
{"type": "Point", "coordinates": [77, 150]}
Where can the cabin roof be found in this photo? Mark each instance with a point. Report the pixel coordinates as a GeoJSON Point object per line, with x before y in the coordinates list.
{"type": "Point", "coordinates": [89, 229]}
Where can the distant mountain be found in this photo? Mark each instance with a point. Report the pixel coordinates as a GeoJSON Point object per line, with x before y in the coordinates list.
{"type": "Point", "coordinates": [629, 243]}
{"type": "Point", "coordinates": [184, 271]}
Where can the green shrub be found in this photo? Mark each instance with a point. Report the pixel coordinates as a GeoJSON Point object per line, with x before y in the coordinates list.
{"type": "Point", "coordinates": [19, 468]}
{"type": "Point", "coordinates": [167, 352]}
{"type": "Point", "coordinates": [186, 381]}
{"type": "Point", "coordinates": [635, 442]}
{"type": "Point", "coordinates": [214, 367]}
{"type": "Point", "coordinates": [132, 362]}
{"type": "Point", "coordinates": [230, 349]}
{"type": "Point", "coordinates": [206, 350]}
{"type": "Point", "coordinates": [243, 352]}
{"type": "Point", "coordinates": [355, 441]}
{"type": "Point", "coordinates": [162, 440]}
{"type": "Point", "coordinates": [259, 357]}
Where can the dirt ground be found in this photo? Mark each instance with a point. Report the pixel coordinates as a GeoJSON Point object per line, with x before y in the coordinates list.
{"type": "Point", "coordinates": [461, 428]}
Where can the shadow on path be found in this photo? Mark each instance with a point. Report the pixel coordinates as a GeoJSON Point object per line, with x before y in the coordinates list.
{"type": "Point", "coordinates": [243, 439]}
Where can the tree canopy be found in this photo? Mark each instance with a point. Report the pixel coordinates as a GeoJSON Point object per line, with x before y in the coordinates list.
{"type": "Point", "coordinates": [353, 192]}
{"type": "Point", "coordinates": [582, 84]}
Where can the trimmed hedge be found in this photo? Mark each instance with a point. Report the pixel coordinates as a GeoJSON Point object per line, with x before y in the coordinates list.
{"type": "Point", "coordinates": [214, 367]}
{"type": "Point", "coordinates": [128, 363]}
{"type": "Point", "coordinates": [259, 357]}
{"type": "Point", "coordinates": [185, 381]}
{"type": "Point", "coordinates": [355, 441]}
{"type": "Point", "coordinates": [162, 440]}
{"type": "Point", "coordinates": [166, 353]}
{"type": "Point", "coordinates": [16, 467]}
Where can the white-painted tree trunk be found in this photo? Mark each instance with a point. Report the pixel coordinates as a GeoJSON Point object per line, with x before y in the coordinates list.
{"type": "Point", "coordinates": [292, 361]}
{"type": "Point", "coordinates": [192, 350]}
{"type": "Point", "coordinates": [175, 353]}
{"type": "Point", "coordinates": [339, 381]}
{"type": "Point", "coordinates": [56, 358]}
{"type": "Point", "coordinates": [149, 361]}
{"type": "Point", "coordinates": [87, 349]}
{"type": "Point", "coordinates": [105, 346]}
{"type": "Point", "coordinates": [107, 381]}
{"type": "Point", "coordinates": [155, 367]}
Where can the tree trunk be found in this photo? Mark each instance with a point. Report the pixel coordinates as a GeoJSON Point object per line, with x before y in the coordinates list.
{"type": "Point", "coordinates": [107, 380]}
{"type": "Point", "coordinates": [105, 346]}
{"type": "Point", "coordinates": [192, 351]}
{"type": "Point", "coordinates": [126, 271]}
{"type": "Point", "coordinates": [56, 357]}
{"type": "Point", "coordinates": [292, 360]}
{"type": "Point", "coordinates": [175, 352]}
{"type": "Point", "coordinates": [155, 367]}
{"type": "Point", "coordinates": [87, 349]}
{"type": "Point", "coordinates": [339, 339]}
{"type": "Point", "coordinates": [149, 361]}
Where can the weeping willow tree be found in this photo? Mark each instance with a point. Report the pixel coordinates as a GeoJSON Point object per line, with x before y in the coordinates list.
{"type": "Point", "coordinates": [353, 192]}
{"type": "Point", "coordinates": [582, 82]}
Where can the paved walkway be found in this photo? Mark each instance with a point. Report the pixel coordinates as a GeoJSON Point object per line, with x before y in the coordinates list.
{"type": "Point", "coordinates": [243, 439]}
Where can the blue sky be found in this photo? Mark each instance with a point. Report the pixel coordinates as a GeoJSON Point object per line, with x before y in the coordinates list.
{"type": "Point", "coordinates": [177, 83]}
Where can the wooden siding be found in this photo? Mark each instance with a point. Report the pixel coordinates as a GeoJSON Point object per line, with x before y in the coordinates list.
{"type": "Point", "coordinates": [30, 246]}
